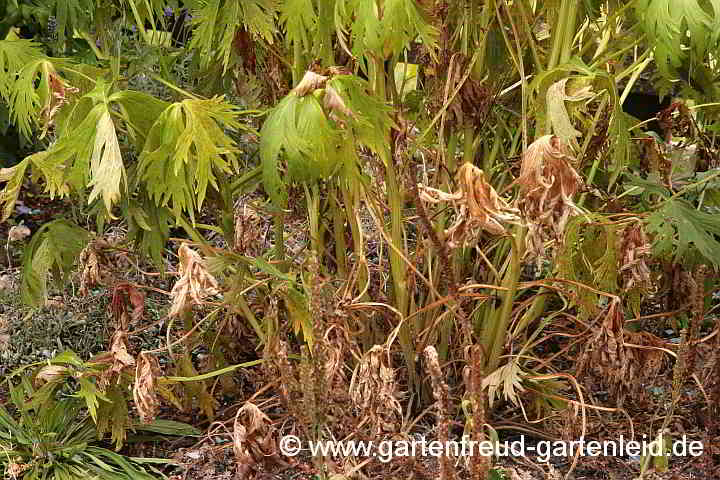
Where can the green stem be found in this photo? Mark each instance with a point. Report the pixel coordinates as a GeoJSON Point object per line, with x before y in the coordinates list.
{"type": "Point", "coordinates": [339, 233]}
{"type": "Point", "coordinates": [559, 35]}
{"type": "Point", "coordinates": [325, 34]}
{"type": "Point", "coordinates": [569, 33]}
{"type": "Point", "coordinates": [498, 331]}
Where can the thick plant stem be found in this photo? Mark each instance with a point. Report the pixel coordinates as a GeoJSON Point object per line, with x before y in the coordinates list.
{"type": "Point", "coordinates": [351, 199]}
{"type": "Point", "coordinates": [498, 331]}
{"type": "Point", "coordinates": [325, 30]}
{"type": "Point", "coordinates": [559, 35]}
{"type": "Point", "coordinates": [397, 267]}
{"type": "Point", "coordinates": [338, 233]}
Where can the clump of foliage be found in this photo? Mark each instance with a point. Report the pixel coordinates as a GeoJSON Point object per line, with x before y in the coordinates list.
{"type": "Point", "coordinates": [50, 433]}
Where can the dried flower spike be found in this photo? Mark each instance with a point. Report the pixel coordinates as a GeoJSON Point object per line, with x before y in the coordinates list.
{"type": "Point", "coordinates": [634, 249]}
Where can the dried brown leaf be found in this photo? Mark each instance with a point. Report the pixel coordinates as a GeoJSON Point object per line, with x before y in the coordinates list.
{"type": "Point", "coordinates": [18, 232]}
{"type": "Point", "coordinates": [547, 183]}
{"type": "Point", "coordinates": [59, 89]}
{"type": "Point", "coordinates": [195, 282]}
{"type": "Point", "coordinates": [477, 205]}
{"type": "Point", "coordinates": [374, 390]}
{"type": "Point", "coordinates": [144, 394]}
{"type": "Point", "coordinates": [311, 81]}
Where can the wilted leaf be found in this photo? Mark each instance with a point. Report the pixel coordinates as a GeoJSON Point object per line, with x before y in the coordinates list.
{"type": "Point", "coordinates": [14, 177]}
{"type": "Point", "coordinates": [557, 111]}
{"type": "Point", "coordinates": [146, 400]}
{"type": "Point", "coordinates": [477, 204]}
{"type": "Point", "coordinates": [195, 282]}
{"type": "Point", "coordinates": [53, 250]}
{"type": "Point", "coordinates": [509, 376]}
{"type": "Point", "coordinates": [18, 232]}
{"type": "Point", "coordinates": [547, 183]}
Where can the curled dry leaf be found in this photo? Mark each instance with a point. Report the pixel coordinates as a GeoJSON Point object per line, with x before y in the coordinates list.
{"type": "Point", "coordinates": [510, 377]}
{"type": "Point", "coordinates": [477, 206]}
{"type": "Point", "coordinates": [374, 390]}
{"type": "Point", "coordinates": [547, 183]}
{"type": "Point", "coordinates": [90, 263]}
{"type": "Point", "coordinates": [557, 112]}
{"type": "Point", "coordinates": [634, 250]}
{"type": "Point", "coordinates": [119, 354]}
{"type": "Point", "coordinates": [146, 400]}
{"type": "Point", "coordinates": [605, 356]}
{"type": "Point", "coordinates": [310, 82]}
{"type": "Point", "coordinates": [253, 439]}
{"type": "Point", "coordinates": [250, 226]}
{"type": "Point", "coordinates": [119, 304]}
{"type": "Point", "coordinates": [57, 98]}
{"type": "Point", "coordinates": [335, 103]}
{"type": "Point", "coordinates": [51, 372]}
{"type": "Point", "coordinates": [18, 232]}
{"type": "Point", "coordinates": [195, 282]}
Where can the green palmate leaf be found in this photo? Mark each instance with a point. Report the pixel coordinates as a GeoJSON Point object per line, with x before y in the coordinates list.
{"type": "Point", "coordinates": [140, 111]}
{"type": "Point", "coordinates": [33, 92]}
{"type": "Point", "coordinates": [89, 156]}
{"type": "Point", "coordinates": [671, 24]}
{"type": "Point", "coordinates": [218, 21]}
{"type": "Point", "coordinates": [185, 151]}
{"type": "Point", "coordinates": [678, 228]}
{"type": "Point", "coordinates": [299, 128]}
{"type": "Point", "coordinates": [299, 20]}
{"type": "Point", "coordinates": [403, 22]}
{"type": "Point", "coordinates": [370, 120]}
{"type": "Point", "coordinates": [383, 30]}
{"type": "Point", "coordinates": [52, 250]}
{"type": "Point", "coordinates": [14, 56]}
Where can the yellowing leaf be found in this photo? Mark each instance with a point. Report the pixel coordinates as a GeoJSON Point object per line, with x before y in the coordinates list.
{"type": "Point", "coordinates": [106, 165]}
{"type": "Point", "coordinates": [8, 196]}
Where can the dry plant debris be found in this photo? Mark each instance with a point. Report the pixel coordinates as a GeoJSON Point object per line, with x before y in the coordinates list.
{"type": "Point", "coordinates": [477, 205]}
{"type": "Point", "coordinates": [146, 400]}
{"type": "Point", "coordinates": [635, 252]}
{"type": "Point", "coordinates": [18, 232]}
{"type": "Point", "coordinates": [547, 183]}
{"type": "Point", "coordinates": [375, 392]}
{"type": "Point", "coordinates": [195, 282]}
{"type": "Point", "coordinates": [254, 440]}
